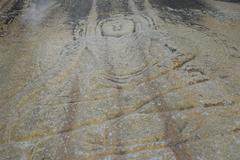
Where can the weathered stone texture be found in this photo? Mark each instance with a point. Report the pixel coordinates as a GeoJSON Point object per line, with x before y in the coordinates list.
{"type": "Point", "coordinates": [119, 79]}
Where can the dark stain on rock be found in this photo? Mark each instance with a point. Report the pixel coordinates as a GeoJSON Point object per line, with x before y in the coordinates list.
{"type": "Point", "coordinates": [182, 11]}
{"type": "Point", "coordinates": [178, 4]}
{"type": "Point", "coordinates": [232, 1]}
{"type": "Point", "coordinates": [236, 130]}
{"type": "Point", "coordinates": [120, 6]}
{"type": "Point", "coordinates": [103, 8]}
{"type": "Point", "coordinates": [77, 9]}
{"type": "Point", "coordinates": [13, 12]}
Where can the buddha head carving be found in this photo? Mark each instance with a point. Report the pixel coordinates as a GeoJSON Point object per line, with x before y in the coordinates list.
{"type": "Point", "coordinates": [117, 27]}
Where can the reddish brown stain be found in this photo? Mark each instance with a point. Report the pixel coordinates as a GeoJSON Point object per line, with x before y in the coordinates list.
{"type": "Point", "coordinates": [176, 143]}
{"type": "Point", "coordinates": [70, 118]}
{"type": "Point", "coordinates": [171, 132]}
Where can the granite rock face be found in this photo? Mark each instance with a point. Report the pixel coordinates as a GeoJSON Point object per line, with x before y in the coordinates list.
{"type": "Point", "coordinates": [119, 79]}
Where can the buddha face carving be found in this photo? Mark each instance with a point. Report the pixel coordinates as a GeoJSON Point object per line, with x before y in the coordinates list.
{"type": "Point", "coordinates": [117, 28]}
{"type": "Point", "coordinates": [127, 49]}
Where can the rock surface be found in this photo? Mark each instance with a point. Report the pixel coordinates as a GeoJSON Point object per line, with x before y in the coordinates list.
{"type": "Point", "coordinates": [119, 79]}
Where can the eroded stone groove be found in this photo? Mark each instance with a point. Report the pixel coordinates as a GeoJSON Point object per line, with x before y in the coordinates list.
{"type": "Point", "coordinates": [120, 79]}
